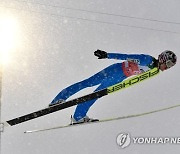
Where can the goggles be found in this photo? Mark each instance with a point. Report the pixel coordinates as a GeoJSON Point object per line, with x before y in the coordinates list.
{"type": "Point", "coordinates": [169, 64]}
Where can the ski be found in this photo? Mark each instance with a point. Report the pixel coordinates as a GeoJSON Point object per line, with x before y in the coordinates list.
{"type": "Point", "coordinates": [104, 120]}
{"type": "Point", "coordinates": [63, 126]}
{"type": "Point", "coordinates": [122, 85]}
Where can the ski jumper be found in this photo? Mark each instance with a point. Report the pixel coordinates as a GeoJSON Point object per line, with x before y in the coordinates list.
{"type": "Point", "coordinates": [134, 64]}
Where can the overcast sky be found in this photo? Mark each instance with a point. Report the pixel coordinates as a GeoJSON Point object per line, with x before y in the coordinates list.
{"type": "Point", "coordinates": [55, 50]}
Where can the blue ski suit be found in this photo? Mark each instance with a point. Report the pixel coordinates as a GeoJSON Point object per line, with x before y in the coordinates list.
{"type": "Point", "coordinates": [133, 64]}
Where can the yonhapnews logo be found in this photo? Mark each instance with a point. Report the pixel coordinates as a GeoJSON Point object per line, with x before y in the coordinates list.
{"type": "Point", "coordinates": [125, 139]}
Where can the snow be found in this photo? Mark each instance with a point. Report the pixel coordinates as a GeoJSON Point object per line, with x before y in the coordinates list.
{"type": "Point", "coordinates": [57, 51]}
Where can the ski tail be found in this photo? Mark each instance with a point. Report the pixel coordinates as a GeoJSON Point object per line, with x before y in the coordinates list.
{"type": "Point", "coordinates": [106, 119]}
{"type": "Point", "coordinates": [57, 107]}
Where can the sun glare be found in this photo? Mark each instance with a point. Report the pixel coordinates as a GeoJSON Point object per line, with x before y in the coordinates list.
{"type": "Point", "coordinates": [8, 34]}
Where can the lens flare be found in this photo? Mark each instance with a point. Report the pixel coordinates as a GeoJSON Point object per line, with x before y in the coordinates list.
{"type": "Point", "coordinates": [8, 35]}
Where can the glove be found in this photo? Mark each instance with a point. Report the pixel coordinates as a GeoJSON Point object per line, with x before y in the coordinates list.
{"type": "Point", "coordinates": [100, 54]}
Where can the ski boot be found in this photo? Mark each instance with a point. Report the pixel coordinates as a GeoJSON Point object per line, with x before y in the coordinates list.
{"type": "Point", "coordinates": [86, 119]}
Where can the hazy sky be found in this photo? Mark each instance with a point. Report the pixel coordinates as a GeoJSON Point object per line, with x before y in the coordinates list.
{"type": "Point", "coordinates": [56, 50]}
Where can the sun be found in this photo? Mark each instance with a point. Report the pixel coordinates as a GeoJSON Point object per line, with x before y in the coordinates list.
{"type": "Point", "coordinates": [8, 35]}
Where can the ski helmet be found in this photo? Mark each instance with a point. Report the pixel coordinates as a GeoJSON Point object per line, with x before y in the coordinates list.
{"type": "Point", "coordinates": [167, 57]}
